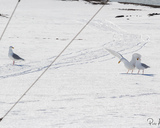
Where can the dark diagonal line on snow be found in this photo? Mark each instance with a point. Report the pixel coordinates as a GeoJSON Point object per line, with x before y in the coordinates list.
{"type": "Point", "coordinates": [52, 63]}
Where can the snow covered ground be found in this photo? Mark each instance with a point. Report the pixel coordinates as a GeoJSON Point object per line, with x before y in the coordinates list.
{"type": "Point", "coordinates": [86, 87]}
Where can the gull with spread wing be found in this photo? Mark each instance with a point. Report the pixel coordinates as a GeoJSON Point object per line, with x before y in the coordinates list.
{"type": "Point", "coordinates": [130, 65]}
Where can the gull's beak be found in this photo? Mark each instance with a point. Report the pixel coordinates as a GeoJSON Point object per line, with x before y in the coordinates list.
{"type": "Point", "coordinates": [12, 47]}
{"type": "Point", "coordinates": [137, 58]}
{"type": "Point", "coordinates": [119, 62]}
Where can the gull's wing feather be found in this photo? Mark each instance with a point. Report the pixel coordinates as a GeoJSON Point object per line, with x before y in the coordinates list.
{"type": "Point", "coordinates": [116, 54]}
{"type": "Point", "coordinates": [144, 65]}
{"type": "Point", "coordinates": [15, 56]}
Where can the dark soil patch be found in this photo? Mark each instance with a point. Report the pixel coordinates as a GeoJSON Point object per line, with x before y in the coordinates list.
{"type": "Point", "coordinates": [130, 9]}
{"type": "Point", "coordinates": [127, 16]}
{"type": "Point", "coordinates": [4, 15]}
{"type": "Point", "coordinates": [97, 1]}
{"type": "Point", "coordinates": [153, 6]}
{"type": "Point", "coordinates": [153, 14]}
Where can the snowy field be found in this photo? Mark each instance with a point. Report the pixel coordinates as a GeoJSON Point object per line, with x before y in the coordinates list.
{"type": "Point", "coordinates": [86, 87]}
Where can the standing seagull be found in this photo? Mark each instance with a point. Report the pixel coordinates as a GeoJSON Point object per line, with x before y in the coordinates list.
{"type": "Point", "coordinates": [141, 66]}
{"type": "Point", "coordinates": [13, 56]}
{"type": "Point", "coordinates": [129, 65]}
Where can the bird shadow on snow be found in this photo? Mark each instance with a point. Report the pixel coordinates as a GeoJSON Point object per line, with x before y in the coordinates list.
{"type": "Point", "coordinates": [151, 75]}
{"type": "Point", "coordinates": [19, 65]}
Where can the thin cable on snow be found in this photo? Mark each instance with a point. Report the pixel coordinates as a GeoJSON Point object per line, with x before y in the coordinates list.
{"type": "Point", "coordinates": [52, 62]}
{"type": "Point", "coordinates": [9, 20]}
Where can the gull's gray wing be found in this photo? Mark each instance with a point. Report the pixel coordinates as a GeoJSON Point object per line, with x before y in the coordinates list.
{"type": "Point", "coordinates": [144, 65]}
{"type": "Point", "coordinates": [15, 56]}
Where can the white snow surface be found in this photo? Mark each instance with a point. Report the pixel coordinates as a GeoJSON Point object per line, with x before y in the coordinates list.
{"type": "Point", "coordinates": [85, 87]}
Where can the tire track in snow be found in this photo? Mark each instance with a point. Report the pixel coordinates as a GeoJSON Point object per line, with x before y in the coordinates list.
{"type": "Point", "coordinates": [123, 42]}
{"type": "Point", "coordinates": [133, 96]}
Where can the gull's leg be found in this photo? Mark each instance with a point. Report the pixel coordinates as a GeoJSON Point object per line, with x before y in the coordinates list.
{"type": "Point", "coordinates": [13, 62]}
{"type": "Point", "coordinates": [138, 71]}
{"type": "Point", "coordinates": [132, 71]}
{"type": "Point", "coordinates": [143, 71]}
{"type": "Point", "coordinates": [128, 71]}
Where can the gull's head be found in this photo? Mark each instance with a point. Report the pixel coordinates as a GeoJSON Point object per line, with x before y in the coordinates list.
{"type": "Point", "coordinates": [11, 47]}
{"type": "Point", "coordinates": [136, 55]}
{"type": "Point", "coordinates": [139, 59]}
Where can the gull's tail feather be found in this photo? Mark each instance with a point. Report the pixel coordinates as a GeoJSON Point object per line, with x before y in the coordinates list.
{"type": "Point", "coordinates": [22, 59]}
{"type": "Point", "coordinates": [145, 66]}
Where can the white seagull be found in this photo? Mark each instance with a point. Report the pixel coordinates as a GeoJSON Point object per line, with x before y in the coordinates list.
{"type": "Point", "coordinates": [13, 56]}
{"type": "Point", "coordinates": [129, 65]}
{"type": "Point", "coordinates": [141, 66]}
